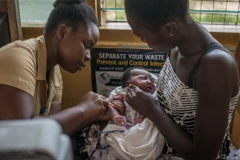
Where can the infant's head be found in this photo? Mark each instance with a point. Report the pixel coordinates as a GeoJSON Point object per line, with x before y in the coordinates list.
{"type": "Point", "coordinates": [140, 77]}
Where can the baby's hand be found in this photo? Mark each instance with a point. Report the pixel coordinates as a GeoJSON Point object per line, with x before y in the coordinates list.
{"type": "Point", "coordinates": [138, 120]}
{"type": "Point", "coordinates": [120, 120]}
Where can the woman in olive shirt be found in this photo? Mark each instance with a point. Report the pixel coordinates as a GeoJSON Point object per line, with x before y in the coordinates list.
{"type": "Point", "coordinates": [30, 78]}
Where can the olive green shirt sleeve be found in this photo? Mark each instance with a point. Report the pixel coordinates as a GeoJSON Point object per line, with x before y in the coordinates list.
{"type": "Point", "coordinates": [18, 68]}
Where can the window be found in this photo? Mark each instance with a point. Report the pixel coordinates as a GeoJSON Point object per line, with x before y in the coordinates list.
{"type": "Point", "coordinates": [112, 11]}
{"type": "Point", "coordinates": [205, 11]}
{"type": "Point", "coordinates": [35, 10]}
{"type": "Point", "coordinates": [215, 11]}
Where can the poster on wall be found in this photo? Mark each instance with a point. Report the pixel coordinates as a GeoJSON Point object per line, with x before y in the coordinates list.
{"type": "Point", "coordinates": [108, 65]}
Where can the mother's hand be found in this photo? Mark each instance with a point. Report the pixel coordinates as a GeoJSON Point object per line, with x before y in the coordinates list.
{"type": "Point", "coordinates": [144, 103]}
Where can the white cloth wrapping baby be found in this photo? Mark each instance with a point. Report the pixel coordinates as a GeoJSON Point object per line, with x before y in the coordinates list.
{"type": "Point", "coordinates": [141, 142]}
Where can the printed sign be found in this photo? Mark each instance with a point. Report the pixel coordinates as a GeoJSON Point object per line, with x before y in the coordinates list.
{"type": "Point", "coordinates": [108, 66]}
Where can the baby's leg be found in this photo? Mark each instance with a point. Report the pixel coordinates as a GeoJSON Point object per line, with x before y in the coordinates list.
{"type": "Point", "coordinates": [115, 117]}
{"type": "Point", "coordinates": [111, 112]}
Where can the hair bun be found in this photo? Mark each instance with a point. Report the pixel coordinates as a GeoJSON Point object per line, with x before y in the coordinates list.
{"type": "Point", "coordinates": [67, 2]}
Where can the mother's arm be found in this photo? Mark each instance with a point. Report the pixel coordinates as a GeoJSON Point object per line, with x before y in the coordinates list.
{"type": "Point", "coordinates": [216, 79]}
{"type": "Point", "coordinates": [17, 104]}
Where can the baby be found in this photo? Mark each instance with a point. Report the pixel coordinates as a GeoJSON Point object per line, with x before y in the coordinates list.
{"type": "Point", "coordinates": [117, 111]}
{"type": "Point", "coordinates": [131, 135]}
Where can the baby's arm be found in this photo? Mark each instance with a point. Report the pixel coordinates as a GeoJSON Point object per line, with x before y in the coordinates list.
{"type": "Point", "coordinates": [113, 112]}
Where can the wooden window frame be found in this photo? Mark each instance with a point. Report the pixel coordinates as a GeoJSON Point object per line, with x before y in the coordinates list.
{"type": "Point", "coordinates": [11, 8]}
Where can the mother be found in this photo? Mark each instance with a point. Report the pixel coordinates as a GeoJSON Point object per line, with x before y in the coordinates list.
{"type": "Point", "coordinates": [198, 86]}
